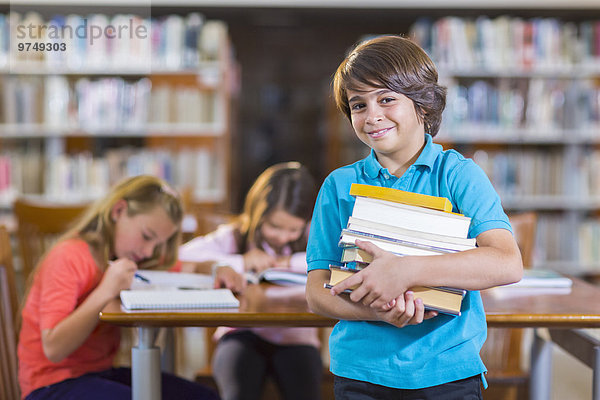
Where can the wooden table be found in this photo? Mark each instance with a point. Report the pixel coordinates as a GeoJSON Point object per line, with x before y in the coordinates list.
{"type": "Point", "coordinates": [266, 305]}
{"type": "Point", "coordinates": [260, 305]}
{"type": "Point", "coordinates": [564, 314]}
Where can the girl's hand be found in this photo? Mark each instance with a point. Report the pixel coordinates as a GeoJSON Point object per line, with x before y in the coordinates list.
{"type": "Point", "coordinates": [405, 310]}
{"type": "Point", "coordinates": [226, 277]}
{"type": "Point", "coordinates": [384, 280]}
{"type": "Point", "coordinates": [283, 262]}
{"type": "Point", "coordinates": [118, 276]}
{"type": "Point", "coordinates": [257, 260]}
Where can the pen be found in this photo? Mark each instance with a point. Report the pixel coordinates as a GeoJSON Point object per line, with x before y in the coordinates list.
{"type": "Point", "coordinates": [141, 278]}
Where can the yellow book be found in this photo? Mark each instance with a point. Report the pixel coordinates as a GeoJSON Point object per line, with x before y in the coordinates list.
{"type": "Point", "coordinates": [401, 196]}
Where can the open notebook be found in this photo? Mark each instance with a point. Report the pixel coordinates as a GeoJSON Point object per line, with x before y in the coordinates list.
{"type": "Point", "coordinates": [178, 299]}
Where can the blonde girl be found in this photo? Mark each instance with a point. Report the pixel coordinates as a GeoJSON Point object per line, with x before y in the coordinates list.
{"type": "Point", "coordinates": [64, 353]}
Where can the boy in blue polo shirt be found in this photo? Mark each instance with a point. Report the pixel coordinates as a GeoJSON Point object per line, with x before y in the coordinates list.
{"type": "Point", "coordinates": [386, 346]}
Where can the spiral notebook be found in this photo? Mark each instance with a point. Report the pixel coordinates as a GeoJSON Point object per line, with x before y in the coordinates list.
{"type": "Point", "coordinates": [178, 299]}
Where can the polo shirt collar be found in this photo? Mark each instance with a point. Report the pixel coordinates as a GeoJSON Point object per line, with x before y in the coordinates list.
{"type": "Point", "coordinates": [426, 158]}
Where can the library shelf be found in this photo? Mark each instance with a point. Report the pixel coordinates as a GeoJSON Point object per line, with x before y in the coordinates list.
{"type": "Point", "coordinates": [74, 123]}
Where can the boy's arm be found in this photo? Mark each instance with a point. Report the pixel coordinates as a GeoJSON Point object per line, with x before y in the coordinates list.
{"type": "Point", "coordinates": [322, 302]}
{"type": "Point", "coordinates": [402, 311]}
{"type": "Point", "coordinates": [497, 261]}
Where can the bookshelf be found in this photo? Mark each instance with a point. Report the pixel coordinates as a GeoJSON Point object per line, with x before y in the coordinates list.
{"type": "Point", "coordinates": [524, 103]}
{"type": "Point", "coordinates": [155, 100]}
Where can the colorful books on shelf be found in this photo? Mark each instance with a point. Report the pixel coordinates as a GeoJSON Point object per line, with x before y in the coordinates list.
{"type": "Point", "coordinates": [441, 299]}
{"type": "Point", "coordinates": [404, 223]}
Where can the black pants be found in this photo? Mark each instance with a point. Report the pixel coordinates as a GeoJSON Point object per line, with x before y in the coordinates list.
{"type": "Point", "coordinates": [115, 384]}
{"type": "Point", "coordinates": [464, 389]}
{"type": "Point", "coordinates": [243, 360]}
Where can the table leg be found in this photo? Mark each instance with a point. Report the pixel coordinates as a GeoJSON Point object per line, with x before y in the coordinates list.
{"type": "Point", "coordinates": [167, 361]}
{"type": "Point", "coordinates": [596, 376]}
{"type": "Point", "coordinates": [540, 382]}
{"type": "Point", "coordinates": [145, 366]}
{"type": "Point", "coordinates": [584, 347]}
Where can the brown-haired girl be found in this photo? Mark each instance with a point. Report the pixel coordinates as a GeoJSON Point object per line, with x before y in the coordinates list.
{"type": "Point", "coordinates": [271, 232]}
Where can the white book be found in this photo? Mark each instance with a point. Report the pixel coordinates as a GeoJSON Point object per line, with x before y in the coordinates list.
{"type": "Point", "coordinates": [411, 217]}
{"type": "Point", "coordinates": [395, 232]}
{"type": "Point", "coordinates": [278, 276]}
{"type": "Point", "coordinates": [348, 239]}
{"type": "Point", "coordinates": [542, 278]}
{"type": "Point", "coordinates": [178, 299]}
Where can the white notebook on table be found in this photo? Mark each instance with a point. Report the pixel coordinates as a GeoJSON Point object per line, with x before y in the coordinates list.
{"type": "Point", "coordinates": [177, 299]}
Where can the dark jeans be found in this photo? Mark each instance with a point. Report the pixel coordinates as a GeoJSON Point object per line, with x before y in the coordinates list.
{"type": "Point", "coordinates": [115, 384]}
{"type": "Point", "coordinates": [243, 360]}
{"type": "Point", "coordinates": [464, 389]}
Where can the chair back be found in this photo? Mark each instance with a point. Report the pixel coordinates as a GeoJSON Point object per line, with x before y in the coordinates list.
{"type": "Point", "coordinates": [39, 225]}
{"type": "Point", "coordinates": [524, 228]}
{"type": "Point", "coordinates": [501, 352]}
{"type": "Point", "coordinates": [9, 384]}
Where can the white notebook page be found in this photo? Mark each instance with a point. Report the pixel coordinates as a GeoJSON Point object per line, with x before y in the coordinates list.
{"type": "Point", "coordinates": [174, 299]}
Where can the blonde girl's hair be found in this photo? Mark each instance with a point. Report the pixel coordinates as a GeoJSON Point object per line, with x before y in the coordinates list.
{"type": "Point", "coordinates": [96, 227]}
{"type": "Point", "coordinates": [287, 186]}
{"type": "Point", "coordinates": [142, 193]}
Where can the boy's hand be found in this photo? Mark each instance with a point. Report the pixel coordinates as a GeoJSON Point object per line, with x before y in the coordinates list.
{"type": "Point", "coordinates": [226, 277]}
{"type": "Point", "coordinates": [256, 260]}
{"type": "Point", "coordinates": [405, 310]}
{"type": "Point", "coordinates": [378, 284]}
{"type": "Point", "coordinates": [117, 276]}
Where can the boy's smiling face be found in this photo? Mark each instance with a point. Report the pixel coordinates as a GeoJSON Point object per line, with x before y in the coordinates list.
{"type": "Point", "coordinates": [388, 123]}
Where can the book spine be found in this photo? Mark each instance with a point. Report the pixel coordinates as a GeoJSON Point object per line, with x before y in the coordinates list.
{"type": "Point", "coordinates": [347, 239]}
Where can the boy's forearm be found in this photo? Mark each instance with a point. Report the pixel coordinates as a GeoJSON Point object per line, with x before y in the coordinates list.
{"type": "Point", "coordinates": [496, 262]}
{"type": "Point", "coordinates": [322, 302]}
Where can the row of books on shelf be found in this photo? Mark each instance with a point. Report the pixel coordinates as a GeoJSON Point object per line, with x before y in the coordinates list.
{"type": "Point", "coordinates": [106, 104]}
{"type": "Point", "coordinates": [526, 171]}
{"type": "Point", "coordinates": [589, 237]}
{"type": "Point", "coordinates": [509, 43]}
{"type": "Point", "coordinates": [98, 41]}
{"type": "Point", "coordinates": [531, 105]}
{"type": "Point", "coordinates": [548, 173]}
{"type": "Point", "coordinates": [84, 177]}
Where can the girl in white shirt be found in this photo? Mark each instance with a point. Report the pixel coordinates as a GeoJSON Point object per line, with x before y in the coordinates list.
{"type": "Point", "coordinates": [271, 232]}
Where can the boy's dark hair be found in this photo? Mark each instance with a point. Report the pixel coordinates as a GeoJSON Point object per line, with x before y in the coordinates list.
{"type": "Point", "coordinates": [398, 64]}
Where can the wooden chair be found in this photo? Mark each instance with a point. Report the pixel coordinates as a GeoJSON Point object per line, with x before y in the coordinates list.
{"type": "Point", "coordinates": [501, 352]}
{"type": "Point", "coordinates": [39, 225]}
{"type": "Point", "coordinates": [9, 385]}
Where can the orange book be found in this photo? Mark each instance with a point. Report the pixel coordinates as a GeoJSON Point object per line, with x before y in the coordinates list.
{"type": "Point", "coordinates": [441, 299]}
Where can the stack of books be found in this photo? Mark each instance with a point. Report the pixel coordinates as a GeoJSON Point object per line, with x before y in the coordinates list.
{"type": "Point", "coordinates": [404, 223]}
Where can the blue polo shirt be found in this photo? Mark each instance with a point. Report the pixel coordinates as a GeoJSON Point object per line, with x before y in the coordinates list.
{"type": "Point", "coordinates": [441, 349]}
